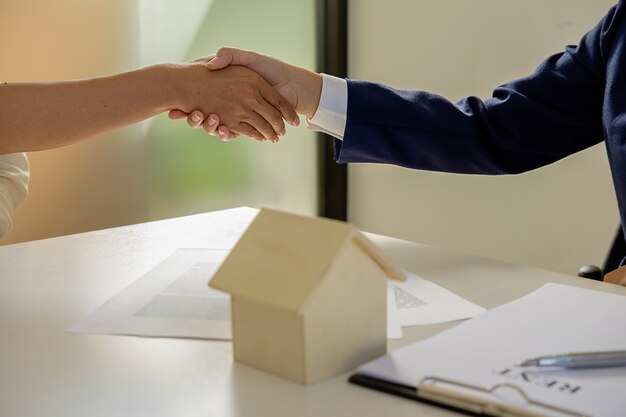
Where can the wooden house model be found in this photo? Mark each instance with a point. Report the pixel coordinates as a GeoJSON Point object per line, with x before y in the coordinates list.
{"type": "Point", "coordinates": [308, 296]}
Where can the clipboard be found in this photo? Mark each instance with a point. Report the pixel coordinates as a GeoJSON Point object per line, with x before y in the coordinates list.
{"type": "Point", "coordinates": [428, 392]}
{"type": "Point", "coordinates": [457, 371]}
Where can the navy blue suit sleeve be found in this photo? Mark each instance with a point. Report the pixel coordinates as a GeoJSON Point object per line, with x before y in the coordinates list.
{"type": "Point", "coordinates": [526, 124]}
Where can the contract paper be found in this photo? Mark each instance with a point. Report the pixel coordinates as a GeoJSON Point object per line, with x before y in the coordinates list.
{"type": "Point", "coordinates": [486, 352]}
{"type": "Point", "coordinates": [171, 300]}
{"type": "Point", "coordinates": [174, 300]}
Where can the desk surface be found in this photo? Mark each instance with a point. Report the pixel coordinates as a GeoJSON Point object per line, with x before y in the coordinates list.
{"type": "Point", "coordinates": [48, 285]}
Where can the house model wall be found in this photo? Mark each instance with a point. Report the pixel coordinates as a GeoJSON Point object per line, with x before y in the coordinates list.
{"type": "Point", "coordinates": [308, 296]}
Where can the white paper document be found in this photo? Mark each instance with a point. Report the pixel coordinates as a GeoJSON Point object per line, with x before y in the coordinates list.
{"type": "Point", "coordinates": [486, 350]}
{"type": "Point", "coordinates": [418, 301]}
{"type": "Point", "coordinates": [173, 300]}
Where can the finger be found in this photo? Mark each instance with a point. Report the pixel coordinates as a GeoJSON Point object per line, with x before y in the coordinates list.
{"type": "Point", "coordinates": [211, 124]}
{"type": "Point", "coordinates": [231, 135]}
{"type": "Point", "coordinates": [247, 130]}
{"type": "Point", "coordinates": [281, 104]}
{"type": "Point", "coordinates": [195, 119]}
{"type": "Point", "coordinates": [261, 125]}
{"type": "Point", "coordinates": [204, 59]}
{"type": "Point", "coordinates": [226, 135]}
{"type": "Point", "coordinates": [177, 114]}
{"type": "Point", "coordinates": [272, 116]}
{"type": "Point", "coordinates": [231, 56]}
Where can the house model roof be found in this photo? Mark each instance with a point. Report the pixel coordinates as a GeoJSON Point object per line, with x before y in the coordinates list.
{"type": "Point", "coordinates": [282, 257]}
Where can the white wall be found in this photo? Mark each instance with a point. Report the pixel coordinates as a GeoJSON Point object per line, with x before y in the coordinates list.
{"type": "Point", "coordinates": [558, 217]}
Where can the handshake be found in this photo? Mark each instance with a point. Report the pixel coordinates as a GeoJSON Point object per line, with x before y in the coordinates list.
{"type": "Point", "coordinates": [229, 94]}
{"type": "Point", "coordinates": [237, 92]}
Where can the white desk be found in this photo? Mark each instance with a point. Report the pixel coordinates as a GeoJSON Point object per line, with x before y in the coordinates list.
{"type": "Point", "coordinates": [47, 285]}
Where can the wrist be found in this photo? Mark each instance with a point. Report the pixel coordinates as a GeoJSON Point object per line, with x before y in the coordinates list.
{"type": "Point", "coordinates": [310, 91]}
{"type": "Point", "coordinates": [170, 88]}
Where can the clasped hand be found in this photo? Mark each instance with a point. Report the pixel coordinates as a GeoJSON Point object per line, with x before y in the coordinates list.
{"type": "Point", "coordinates": [246, 103]}
{"type": "Point", "coordinates": [283, 90]}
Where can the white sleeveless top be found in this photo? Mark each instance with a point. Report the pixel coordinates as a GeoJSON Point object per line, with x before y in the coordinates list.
{"type": "Point", "coordinates": [14, 176]}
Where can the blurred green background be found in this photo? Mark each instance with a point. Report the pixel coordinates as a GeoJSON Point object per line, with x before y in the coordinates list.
{"type": "Point", "coordinates": [159, 168]}
{"type": "Point", "coordinates": [194, 172]}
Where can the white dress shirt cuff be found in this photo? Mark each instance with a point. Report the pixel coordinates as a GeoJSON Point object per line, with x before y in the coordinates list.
{"type": "Point", "coordinates": [330, 116]}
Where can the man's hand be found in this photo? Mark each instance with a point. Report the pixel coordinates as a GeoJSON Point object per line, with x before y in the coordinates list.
{"type": "Point", "coordinates": [299, 86]}
{"type": "Point", "coordinates": [617, 277]}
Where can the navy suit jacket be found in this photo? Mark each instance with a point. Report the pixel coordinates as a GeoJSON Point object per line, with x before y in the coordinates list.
{"type": "Point", "coordinates": [573, 100]}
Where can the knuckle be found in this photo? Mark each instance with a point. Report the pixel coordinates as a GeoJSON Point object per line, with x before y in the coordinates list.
{"type": "Point", "coordinates": [277, 117]}
{"type": "Point", "coordinates": [257, 100]}
{"type": "Point", "coordinates": [242, 114]}
{"type": "Point", "coordinates": [280, 104]}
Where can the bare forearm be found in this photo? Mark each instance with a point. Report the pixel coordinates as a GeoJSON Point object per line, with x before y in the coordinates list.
{"type": "Point", "coordinates": [36, 116]}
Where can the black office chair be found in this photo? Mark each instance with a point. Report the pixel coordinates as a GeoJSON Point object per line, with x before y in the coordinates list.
{"type": "Point", "coordinates": [617, 252]}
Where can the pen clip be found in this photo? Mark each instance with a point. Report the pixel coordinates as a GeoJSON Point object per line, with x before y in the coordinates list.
{"type": "Point", "coordinates": [432, 388]}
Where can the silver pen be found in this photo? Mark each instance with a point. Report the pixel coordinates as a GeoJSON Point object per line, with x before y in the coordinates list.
{"type": "Point", "coordinates": [580, 360]}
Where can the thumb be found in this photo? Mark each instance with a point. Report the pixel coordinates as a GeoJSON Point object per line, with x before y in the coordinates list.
{"type": "Point", "coordinates": [177, 114]}
{"type": "Point", "coordinates": [220, 61]}
{"type": "Point", "coordinates": [233, 56]}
